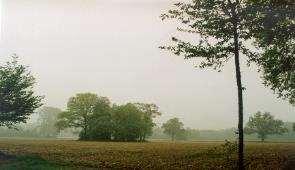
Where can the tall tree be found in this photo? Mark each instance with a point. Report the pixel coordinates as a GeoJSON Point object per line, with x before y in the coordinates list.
{"type": "Point", "coordinates": [149, 112]}
{"type": "Point", "coordinates": [17, 98]}
{"type": "Point", "coordinates": [81, 111]}
{"type": "Point", "coordinates": [173, 127]}
{"type": "Point", "coordinates": [264, 124]}
{"type": "Point", "coordinates": [47, 120]}
{"type": "Point", "coordinates": [225, 29]}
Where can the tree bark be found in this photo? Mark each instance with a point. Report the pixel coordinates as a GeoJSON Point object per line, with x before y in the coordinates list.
{"type": "Point", "coordinates": [241, 114]}
{"type": "Point", "coordinates": [240, 88]}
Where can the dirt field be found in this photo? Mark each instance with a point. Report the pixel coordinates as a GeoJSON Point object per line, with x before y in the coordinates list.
{"type": "Point", "coordinates": [53, 154]}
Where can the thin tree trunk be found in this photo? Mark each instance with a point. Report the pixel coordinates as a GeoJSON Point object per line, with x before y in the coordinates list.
{"type": "Point", "coordinates": [240, 88]}
{"type": "Point", "coordinates": [262, 138]}
{"type": "Point", "coordinates": [240, 103]}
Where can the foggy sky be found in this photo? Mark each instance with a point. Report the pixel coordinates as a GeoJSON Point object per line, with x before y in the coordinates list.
{"type": "Point", "coordinates": [110, 48]}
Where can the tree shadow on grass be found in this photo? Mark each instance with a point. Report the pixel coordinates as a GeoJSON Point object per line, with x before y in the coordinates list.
{"type": "Point", "coordinates": [27, 163]}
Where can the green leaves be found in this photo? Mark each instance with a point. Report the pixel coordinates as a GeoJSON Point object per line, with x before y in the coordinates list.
{"type": "Point", "coordinates": [278, 65]}
{"type": "Point", "coordinates": [86, 111]}
{"type": "Point", "coordinates": [17, 98]}
{"type": "Point", "coordinates": [98, 120]}
{"type": "Point", "coordinates": [212, 21]}
{"type": "Point", "coordinates": [134, 121]}
{"type": "Point", "coordinates": [266, 31]}
{"type": "Point", "coordinates": [271, 23]}
{"type": "Point", "coordinates": [173, 127]}
{"type": "Point", "coordinates": [264, 124]}
{"type": "Point", "coordinates": [210, 55]}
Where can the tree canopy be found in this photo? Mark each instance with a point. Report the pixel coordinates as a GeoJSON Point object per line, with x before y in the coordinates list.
{"type": "Point", "coordinates": [127, 121]}
{"type": "Point", "coordinates": [264, 124]}
{"type": "Point", "coordinates": [100, 124]}
{"type": "Point", "coordinates": [82, 110]}
{"type": "Point", "coordinates": [273, 27]}
{"type": "Point", "coordinates": [148, 112]}
{"type": "Point", "coordinates": [17, 98]}
{"type": "Point", "coordinates": [98, 119]}
{"type": "Point", "coordinates": [258, 30]}
{"type": "Point", "coordinates": [173, 128]}
{"type": "Point", "coordinates": [134, 121]}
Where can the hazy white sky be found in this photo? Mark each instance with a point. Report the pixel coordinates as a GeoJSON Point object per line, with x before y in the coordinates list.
{"type": "Point", "coordinates": [110, 47]}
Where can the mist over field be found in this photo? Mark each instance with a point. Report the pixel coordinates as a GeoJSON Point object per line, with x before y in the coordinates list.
{"type": "Point", "coordinates": [111, 48]}
{"type": "Point", "coordinates": [147, 84]}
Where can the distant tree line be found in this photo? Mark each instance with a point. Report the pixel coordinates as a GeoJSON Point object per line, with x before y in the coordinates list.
{"type": "Point", "coordinates": [96, 118]}
{"type": "Point", "coordinates": [44, 122]}
{"type": "Point", "coordinates": [99, 119]}
{"type": "Point", "coordinates": [260, 126]}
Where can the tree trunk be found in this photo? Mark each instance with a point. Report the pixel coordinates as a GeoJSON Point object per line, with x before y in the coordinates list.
{"type": "Point", "coordinates": [241, 115]}
{"type": "Point", "coordinates": [240, 88]}
{"type": "Point", "coordinates": [240, 103]}
{"type": "Point", "coordinates": [262, 137]}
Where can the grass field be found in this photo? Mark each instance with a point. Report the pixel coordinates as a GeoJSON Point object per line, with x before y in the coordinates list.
{"type": "Point", "coordinates": [57, 154]}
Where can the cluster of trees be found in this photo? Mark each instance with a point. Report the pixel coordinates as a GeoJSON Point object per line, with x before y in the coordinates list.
{"type": "Point", "coordinates": [260, 30]}
{"type": "Point", "coordinates": [99, 119]}
{"type": "Point", "coordinates": [96, 118]}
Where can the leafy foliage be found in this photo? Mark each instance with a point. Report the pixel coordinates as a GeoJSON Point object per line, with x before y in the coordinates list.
{"type": "Point", "coordinates": [273, 27]}
{"type": "Point", "coordinates": [264, 124]}
{"type": "Point", "coordinates": [173, 128]}
{"type": "Point", "coordinates": [90, 113]}
{"type": "Point", "coordinates": [98, 120]}
{"type": "Point", "coordinates": [100, 125]}
{"type": "Point", "coordinates": [267, 26]}
{"type": "Point", "coordinates": [214, 24]}
{"type": "Point", "coordinates": [226, 28]}
{"type": "Point", "coordinates": [127, 121]}
{"type": "Point", "coordinates": [134, 121]}
{"type": "Point", "coordinates": [46, 122]}
{"type": "Point", "coordinates": [17, 98]}
{"type": "Point", "coordinates": [148, 112]}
